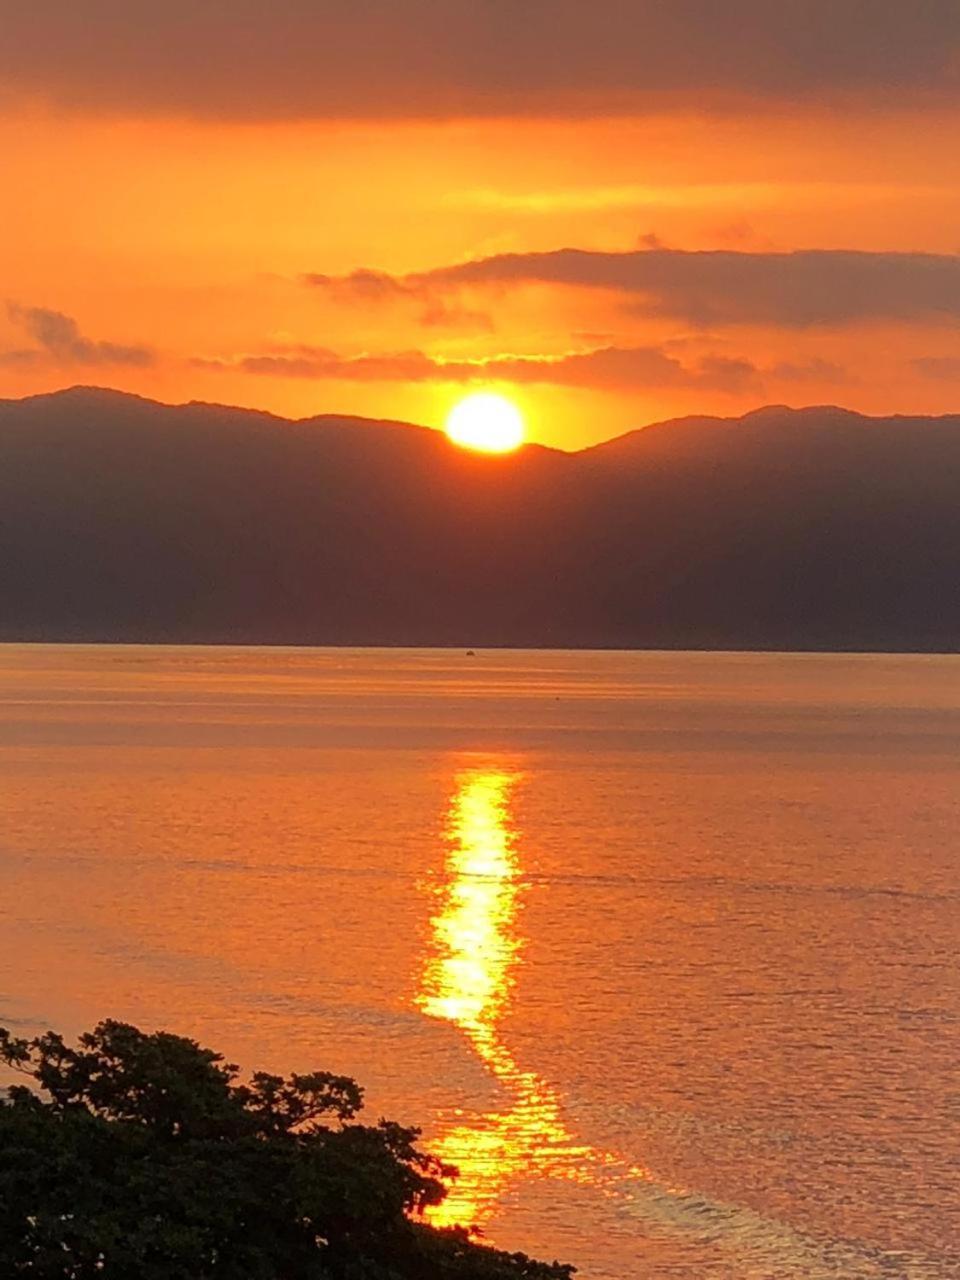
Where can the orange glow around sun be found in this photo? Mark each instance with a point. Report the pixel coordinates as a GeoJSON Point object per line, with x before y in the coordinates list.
{"type": "Point", "coordinates": [487, 422]}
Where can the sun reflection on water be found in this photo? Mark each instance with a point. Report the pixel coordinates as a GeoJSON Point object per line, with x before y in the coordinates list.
{"type": "Point", "coordinates": [468, 981]}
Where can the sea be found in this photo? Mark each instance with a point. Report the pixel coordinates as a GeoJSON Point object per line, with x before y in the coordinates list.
{"type": "Point", "coordinates": [659, 949]}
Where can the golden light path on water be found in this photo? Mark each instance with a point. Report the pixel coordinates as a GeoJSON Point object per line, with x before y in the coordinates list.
{"type": "Point", "coordinates": [468, 981]}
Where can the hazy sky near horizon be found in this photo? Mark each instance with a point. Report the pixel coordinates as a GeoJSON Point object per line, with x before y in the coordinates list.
{"type": "Point", "coordinates": [614, 212]}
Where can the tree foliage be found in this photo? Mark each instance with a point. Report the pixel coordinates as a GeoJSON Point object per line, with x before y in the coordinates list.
{"type": "Point", "coordinates": [142, 1157]}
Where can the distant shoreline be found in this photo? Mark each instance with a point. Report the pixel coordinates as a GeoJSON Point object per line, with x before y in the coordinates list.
{"type": "Point", "coordinates": [478, 649]}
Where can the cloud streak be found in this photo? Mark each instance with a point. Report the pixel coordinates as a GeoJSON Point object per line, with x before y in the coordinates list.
{"type": "Point", "coordinates": [374, 289]}
{"type": "Point", "coordinates": [801, 289]}
{"type": "Point", "coordinates": [607, 368]}
{"type": "Point", "coordinates": [441, 58]}
{"type": "Point", "coordinates": [945, 368]}
{"type": "Point", "coordinates": [59, 341]}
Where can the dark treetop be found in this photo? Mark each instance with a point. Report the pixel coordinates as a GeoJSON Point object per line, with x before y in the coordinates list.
{"type": "Point", "coordinates": [140, 1157]}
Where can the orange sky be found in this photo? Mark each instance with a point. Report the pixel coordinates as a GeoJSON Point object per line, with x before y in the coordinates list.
{"type": "Point", "coordinates": [166, 245]}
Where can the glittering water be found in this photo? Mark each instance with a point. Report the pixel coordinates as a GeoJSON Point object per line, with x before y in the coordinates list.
{"type": "Point", "coordinates": [659, 948]}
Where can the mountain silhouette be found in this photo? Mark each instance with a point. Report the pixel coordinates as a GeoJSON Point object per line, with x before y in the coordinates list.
{"type": "Point", "coordinates": [123, 519]}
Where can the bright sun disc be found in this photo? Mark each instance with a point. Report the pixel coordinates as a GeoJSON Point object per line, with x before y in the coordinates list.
{"type": "Point", "coordinates": [486, 421]}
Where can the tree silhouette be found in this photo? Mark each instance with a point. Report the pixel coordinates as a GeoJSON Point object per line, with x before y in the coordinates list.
{"type": "Point", "coordinates": [141, 1157]}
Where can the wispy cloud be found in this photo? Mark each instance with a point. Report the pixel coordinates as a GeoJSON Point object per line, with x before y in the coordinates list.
{"type": "Point", "coordinates": [368, 288]}
{"type": "Point", "coordinates": [59, 341]}
{"type": "Point", "coordinates": [686, 195]}
{"type": "Point", "coordinates": [722, 287]}
{"type": "Point", "coordinates": [606, 368]}
{"type": "Point", "coordinates": [946, 368]}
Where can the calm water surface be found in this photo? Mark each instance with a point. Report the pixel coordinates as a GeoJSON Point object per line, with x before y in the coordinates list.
{"type": "Point", "coordinates": [660, 949]}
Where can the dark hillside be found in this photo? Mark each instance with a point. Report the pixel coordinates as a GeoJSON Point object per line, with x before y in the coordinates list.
{"type": "Point", "coordinates": [122, 519]}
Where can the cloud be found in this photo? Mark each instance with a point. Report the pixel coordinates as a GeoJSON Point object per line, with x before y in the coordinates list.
{"type": "Point", "coordinates": [723, 287]}
{"type": "Point", "coordinates": [727, 196]}
{"type": "Point", "coordinates": [605, 368]}
{"type": "Point", "coordinates": [364, 286]}
{"type": "Point", "coordinates": [59, 341]}
{"type": "Point", "coordinates": [320, 363]}
{"type": "Point", "coordinates": [298, 59]}
{"type": "Point", "coordinates": [946, 368]}
{"type": "Point", "coordinates": [816, 370]}
{"type": "Point", "coordinates": [368, 288]}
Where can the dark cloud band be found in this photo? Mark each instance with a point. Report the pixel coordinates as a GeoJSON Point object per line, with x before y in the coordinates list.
{"type": "Point", "coordinates": [807, 288]}
{"type": "Point", "coordinates": [429, 58]}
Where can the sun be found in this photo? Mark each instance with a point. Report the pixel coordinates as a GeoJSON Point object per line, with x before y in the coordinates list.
{"type": "Point", "coordinates": [487, 422]}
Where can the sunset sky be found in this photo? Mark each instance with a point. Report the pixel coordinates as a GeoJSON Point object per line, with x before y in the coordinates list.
{"type": "Point", "coordinates": [612, 212]}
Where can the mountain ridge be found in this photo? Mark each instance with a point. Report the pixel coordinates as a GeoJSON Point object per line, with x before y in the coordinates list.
{"type": "Point", "coordinates": [125, 519]}
{"type": "Point", "coordinates": [92, 394]}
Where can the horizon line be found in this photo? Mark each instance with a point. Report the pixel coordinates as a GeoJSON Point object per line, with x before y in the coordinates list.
{"type": "Point", "coordinates": [83, 388]}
